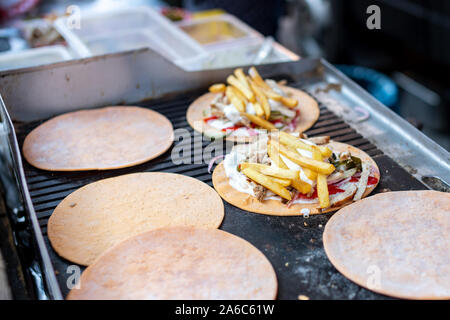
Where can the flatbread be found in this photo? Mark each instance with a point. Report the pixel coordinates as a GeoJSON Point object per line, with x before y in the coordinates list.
{"type": "Point", "coordinates": [99, 139]}
{"type": "Point", "coordinates": [101, 214]}
{"type": "Point", "coordinates": [309, 113]}
{"type": "Point", "coordinates": [180, 263]}
{"type": "Point", "coordinates": [275, 207]}
{"type": "Point", "coordinates": [394, 243]}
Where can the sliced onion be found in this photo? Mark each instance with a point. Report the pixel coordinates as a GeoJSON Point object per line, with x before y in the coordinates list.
{"type": "Point", "coordinates": [365, 114]}
{"type": "Point", "coordinates": [293, 122]}
{"type": "Point", "coordinates": [342, 182]}
{"type": "Point", "coordinates": [295, 197]}
{"type": "Point", "coordinates": [251, 132]}
{"type": "Point", "coordinates": [374, 171]}
{"type": "Point", "coordinates": [346, 174]}
{"type": "Point", "coordinates": [211, 163]}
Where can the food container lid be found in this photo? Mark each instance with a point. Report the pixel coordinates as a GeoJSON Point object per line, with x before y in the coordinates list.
{"type": "Point", "coordinates": [33, 57]}
{"type": "Point", "coordinates": [127, 29]}
{"type": "Point", "coordinates": [238, 55]}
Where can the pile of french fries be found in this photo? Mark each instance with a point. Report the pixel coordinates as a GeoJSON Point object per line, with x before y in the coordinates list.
{"type": "Point", "coordinates": [276, 178]}
{"type": "Point", "coordinates": [242, 89]}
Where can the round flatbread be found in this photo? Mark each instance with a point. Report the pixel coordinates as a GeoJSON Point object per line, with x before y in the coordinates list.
{"type": "Point", "coordinates": [394, 243]}
{"type": "Point", "coordinates": [275, 207]}
{"type": "Point", "coordinates": [100, 139]}
{"type": "Point", "coordinates": [309, 113]}
{"type": "Point", "coordinates": [101, 214]}
{"type": "Point", "coordinates": [182, 264]}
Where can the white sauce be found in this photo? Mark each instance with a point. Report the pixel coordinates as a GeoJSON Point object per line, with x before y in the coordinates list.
{"type": "Point", "coordinates": [306, 141]}
{"type": "Point", "coordinates": [293, 166]}
{"type": "Point", "coordinates": [232, 114]}
{"type": "Point", "coordinates": [241, 132]}
{"type": "Point", "coordinates": [274, 85]}
{"type": "Point", "coordinates": [305, 153]}
{"type": "Point", "coordinates": [236, 179]}
{"type": "Point", "coordinates": [278, 106]}
{"type": "Point", "coordinates": [273, 104]}
{"type": "Point", "coordinates": [308, 201]}
{"type": "Point", "coordinates": [250, 108]}
{"type": "Point", "coordinates": [220, 124]}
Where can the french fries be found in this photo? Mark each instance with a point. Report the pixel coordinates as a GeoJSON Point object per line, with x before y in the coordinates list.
{"type": "Point", "coordinates": [239, 73]}
{"type": "Point", "coordinates": [289, 102]}
{"type": "Point", "coordinates": [235, 99]}
{"type": "Point", "coordinates": [269, 93]}
{"type": "Point", "coordinates": [310, 174]}
{"type": "Point", "coordinates": [217, 88]}
{"type": "Point", "coordinates": [322, 191]}
{"type": "Point", "coordinates": [254, 74]}
{"type": "Point", "coordinates": [233, 81]}
{"type": "Point", "coordinates": [294, 142]}
{"type": "Point", "coordinates": [316, 155]}
{"type": "Point", "coordinates": [261, 98]}
{"type": "Point", "coordinates": [283, 182]}
{"type": "Point", "coordinates": [314, 165]}
{"type": "Point", "coordinates": [259, 109]}
{"type": "Point", "coordinates": [301, 186]}
{"type": "Point", "coordinates": [258, 121]}
{"type": "Point", "coordinates": [267, 182]}
{"type": "Point", "coordinates": [271, 170]}
{"type": "Point", "coordinates": [325, 151]}
{"type": "Point", "coordinates": [274, 155]}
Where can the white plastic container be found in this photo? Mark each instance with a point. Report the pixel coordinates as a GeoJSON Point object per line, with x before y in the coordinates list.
{"type": "Point", "coordinates": [238, 55]}
{"type": "Point", "coordinates": [127, 29]}
{"type": "Point", "coordinates": [229, 42]}
{"type": "Point", "coordinates": [33, 57]}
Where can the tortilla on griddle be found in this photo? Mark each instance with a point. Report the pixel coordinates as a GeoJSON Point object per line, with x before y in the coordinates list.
{"type": "Point", "coordinates": [247, 202]}
{"type": "Point", "coordinates": [98, 139]}
{"type": "Point", "coordinates": [309, 113]}
{"type": "Point", "coordinates": [394, 243]}
{"type": "Point", "coordinates": [101, 214]}
{"type": "Point", "coordinates": [182, 264]}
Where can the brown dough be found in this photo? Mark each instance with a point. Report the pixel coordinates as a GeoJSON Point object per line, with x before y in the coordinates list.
{"type": "Point", "coordinates": [98, 139]}
{"type": "Point", "coordinates": [180, 263]}
{"type": "Point", "coordinates": [394, 243]}
{"type": "Point", "coordinates": [101, 214]}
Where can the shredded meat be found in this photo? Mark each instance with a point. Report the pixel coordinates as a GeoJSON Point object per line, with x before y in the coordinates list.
{"type": "Point", "coordinates": [217, 113]}
{"type": "Point", "coordinates": [244, 121]}
{"type": "Point", "coordinates": [260, 192]}
{"type": "Point", "coordinates": [320, 140]}
{"type": "Point", "coordinates": [344, 156]}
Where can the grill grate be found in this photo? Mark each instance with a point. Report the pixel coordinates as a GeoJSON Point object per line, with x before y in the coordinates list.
{"type": "Point", "coordinates": [292, 244]}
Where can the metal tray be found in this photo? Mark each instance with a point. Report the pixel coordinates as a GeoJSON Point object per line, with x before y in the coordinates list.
{"type": "Point", "coordinates": [292, 244]}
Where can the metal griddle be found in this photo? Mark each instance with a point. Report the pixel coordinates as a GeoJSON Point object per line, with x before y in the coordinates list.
{"type": "Point", "coordinates": [292, 244]}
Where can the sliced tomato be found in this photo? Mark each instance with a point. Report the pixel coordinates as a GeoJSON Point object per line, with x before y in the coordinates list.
{"type": "Point", "coordinates": [210, 118]}
{"type": "Point", "coordinates": [276, 121]}
{"type": "Point", "coordinates": [370, 180]}
{"type": "Point", "coordinates": [332, 189]}
{"type": "Point", "coordinates": [233, 128]}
